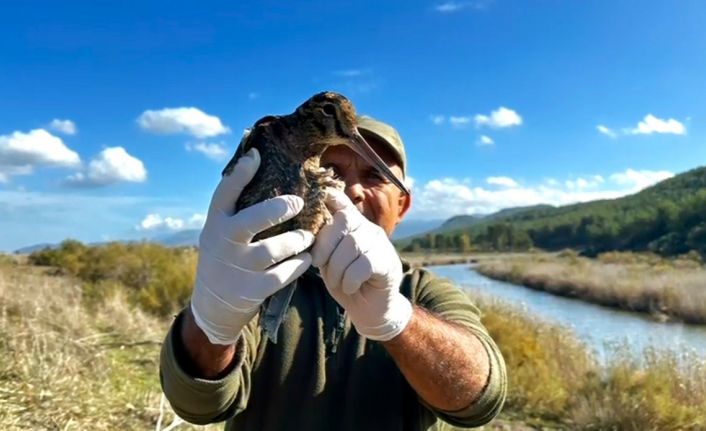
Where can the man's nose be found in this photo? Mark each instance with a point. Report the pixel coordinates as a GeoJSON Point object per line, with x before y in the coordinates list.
{"type": "Point", "coordinates": [354, 190]}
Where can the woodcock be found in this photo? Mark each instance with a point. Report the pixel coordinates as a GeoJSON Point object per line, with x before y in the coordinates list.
{"type": "Point", "coordinates": [290, 148]}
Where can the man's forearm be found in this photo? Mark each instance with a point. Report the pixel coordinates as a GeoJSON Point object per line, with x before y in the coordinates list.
{"type": "Point", "coordinates": [203, 359]}
{"type": "Point", "coordinates": [446, 365]}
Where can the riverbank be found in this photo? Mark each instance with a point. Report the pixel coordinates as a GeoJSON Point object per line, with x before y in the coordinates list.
{"type": "Point", "coordinates": [555, 382]}
{"type": "Point", "coordinates": [429, 259]}
{"type": "Point", "coordinates": [667, 289]}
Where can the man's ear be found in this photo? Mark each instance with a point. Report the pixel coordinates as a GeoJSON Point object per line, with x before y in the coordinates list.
{"type": "Point", "coordinates": [404, 204]}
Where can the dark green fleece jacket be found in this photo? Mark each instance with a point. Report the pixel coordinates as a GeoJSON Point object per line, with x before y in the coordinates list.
{"type": "Point", "coordinates": [322, 375]}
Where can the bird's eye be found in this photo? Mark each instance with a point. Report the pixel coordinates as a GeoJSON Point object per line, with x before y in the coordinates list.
{"type": "Point", "coordinates": [329, 110]}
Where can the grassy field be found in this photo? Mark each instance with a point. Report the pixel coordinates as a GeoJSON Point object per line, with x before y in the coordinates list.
{"type": "Point", "coordinates": [71, 363]}
{"type": "Point", "coordinates": [666, 288]}
{"type": "Point", "coordinates": [64, 366]}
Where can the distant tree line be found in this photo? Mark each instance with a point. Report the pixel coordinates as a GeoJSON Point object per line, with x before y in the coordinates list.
{"type": "Point", "coordinates": [667, 219]}
{"type": "Point", "coordinates": [496, 237]}
{"type": "Point", "coordinates": [459, 242]}
{"type": "Point", "coordinates": [660, 226]}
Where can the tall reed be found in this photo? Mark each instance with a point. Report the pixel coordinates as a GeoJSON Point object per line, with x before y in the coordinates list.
{"type": "Point", "coordinates": [668, 289]}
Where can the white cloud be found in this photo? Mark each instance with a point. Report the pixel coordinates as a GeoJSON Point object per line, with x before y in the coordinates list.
{"type": "Point", "coordinates": [38, 147]}
{"type": "Point", "coordinates": [449, 7]}
{"type": "Point", "coordinates": [454, 6]}
{"type": "Point", "coordinates": [253, 95]}
{"type": "Point", "coordinates": [638, 180]}
{"type": "Point", "coordinates": [448, 196]}
{"type": "Point", "coordinates": [437, 119]}
{"type": "Point", "coordinates": [584, 183]}
{"type": "Point", "coordinates": [459, 121]}
{"type": "Point", "coordinates": [191, 121]}
{"type": "Point", "coordinates": [112, 165]}
{"type": "Point", "coordinates": [355, 81]}
{"type": "Point", "coordinates": [501, 181]}
{"type": "Point", "coordinates": [651, 124]}
{"type": "Point", "coordinates": [501, 117]}
{"type": "Point", "coordinates": [606, 131]}
{"type": "Point", "coordinates": [197, 220]}
{"type": "Point", "coordinates": [8, 171]}
{"type": "Point", "coordinates": [349, 73]}
{"type": "Point", "coordinates": [485, 140]}
{"type": "Point", "coordinates": [66, 127]}
{"type": "Point", "coordinates": [21, 153]}
{"type": "Point", "coordinates": [155, 222]}
{"type": "Point", "coordinates": [213, 150]}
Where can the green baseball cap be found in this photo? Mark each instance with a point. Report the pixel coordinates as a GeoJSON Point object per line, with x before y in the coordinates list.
{"type": "Point", "coordinates": [387, 135]}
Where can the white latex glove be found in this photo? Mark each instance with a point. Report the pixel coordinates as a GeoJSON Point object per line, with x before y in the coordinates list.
{"type": "Point", "coordinates": [361, 270]}
{"type": "Point", "coordinates": [234, 276]}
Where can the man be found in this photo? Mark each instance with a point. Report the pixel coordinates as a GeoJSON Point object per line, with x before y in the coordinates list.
{"type": "Point", "coordinates": [367, 344]}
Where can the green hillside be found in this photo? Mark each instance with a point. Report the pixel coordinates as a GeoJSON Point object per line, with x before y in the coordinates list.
{"type": "Point", "coordinates": [668, 218]}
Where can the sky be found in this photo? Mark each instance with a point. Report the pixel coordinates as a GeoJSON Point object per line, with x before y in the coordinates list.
{"type": "Point", "coordinates": [116, 118]}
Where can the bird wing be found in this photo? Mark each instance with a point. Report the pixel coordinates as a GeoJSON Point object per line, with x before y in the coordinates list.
{"type": "Point", "coordinates": [246, 143]}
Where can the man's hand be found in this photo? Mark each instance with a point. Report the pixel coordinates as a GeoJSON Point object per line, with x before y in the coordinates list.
{"type": "Point", "coordinates": [361, 270]}
{"type": "Point", "coordinates": [234, 276]}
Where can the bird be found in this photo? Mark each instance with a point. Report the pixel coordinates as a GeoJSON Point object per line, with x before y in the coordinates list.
{"type": "Point", "coordinates": [290, 149]}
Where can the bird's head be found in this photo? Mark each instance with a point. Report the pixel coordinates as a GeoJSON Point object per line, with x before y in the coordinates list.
{"type": "Point", "coordinates": [328, 119]}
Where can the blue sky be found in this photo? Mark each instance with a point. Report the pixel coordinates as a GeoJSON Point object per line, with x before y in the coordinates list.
{"type": "Point", "coordinates": [500, 103]}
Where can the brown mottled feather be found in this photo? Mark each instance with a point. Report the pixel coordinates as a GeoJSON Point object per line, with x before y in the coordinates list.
{"type": "Point", "coordinates": [290, 147]}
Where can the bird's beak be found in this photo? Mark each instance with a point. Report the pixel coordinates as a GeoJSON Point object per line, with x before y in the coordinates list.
{"type": "Point", "coordinates": [366, 152]}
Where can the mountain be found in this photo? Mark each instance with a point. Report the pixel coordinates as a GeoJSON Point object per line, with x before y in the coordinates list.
{"type": "Point", "coordinates": [32, 248]}
{"type": "Point", "coordinates": [408, 228]}
{"type": "Point", "coordinates": [465, 221]}
{"type": "Point", "coordinates": [190, 237]}
{"type": "Point", "coordinates": [182, 238]}
{"type": "Point", "coordinates": [459, 221]}
{"type": "Point", "coordinates": [668, 218]}
{"type": "Point", "coordinates": [518, 211]}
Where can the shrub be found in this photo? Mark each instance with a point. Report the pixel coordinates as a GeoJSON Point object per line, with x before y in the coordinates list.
{"type": "Point", "coordinates": [157, 278]}
{"type": "Point", "coordinates": [7, 260]}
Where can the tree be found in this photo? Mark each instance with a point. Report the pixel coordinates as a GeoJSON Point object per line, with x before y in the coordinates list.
{"type": "Point", "coordinates": [464, 243]}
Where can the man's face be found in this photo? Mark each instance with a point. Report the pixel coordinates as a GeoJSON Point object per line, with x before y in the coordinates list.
{"type": "Point", "coordinates": [375, 196]}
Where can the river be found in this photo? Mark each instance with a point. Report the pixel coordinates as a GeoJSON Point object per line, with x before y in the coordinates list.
{"type": "Point", "coordinates": [602, 328]}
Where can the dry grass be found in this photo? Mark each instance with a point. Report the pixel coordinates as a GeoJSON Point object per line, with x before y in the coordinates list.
{"type": "Point", "coordinates": [665, 288]}
{"type": "Point", "coordinates": [554, 380]}
{"type": "Point", "coordinates": [65, 367]}
{"type": "Point", "coordinates": [431, 258]}
{"type": "Point", "coordinates": [62, 367]}
{"type": "Point", "coordinates": [428, 259]}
